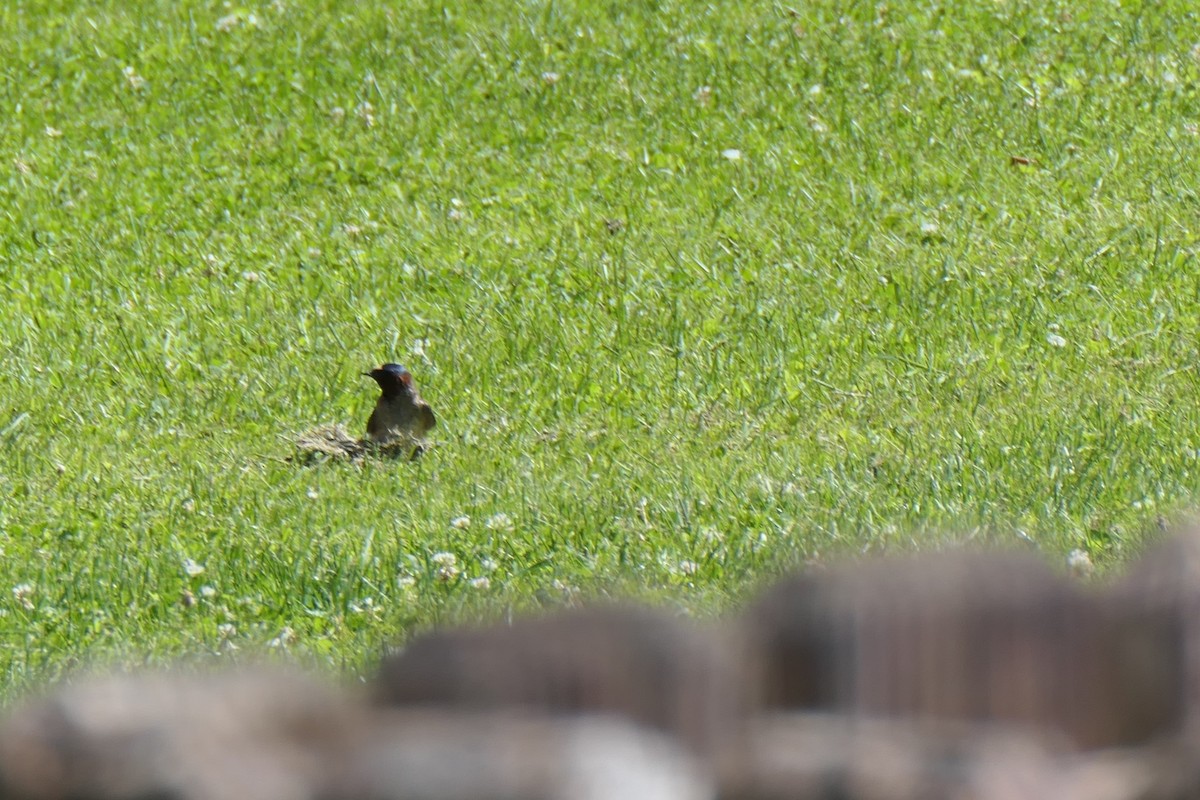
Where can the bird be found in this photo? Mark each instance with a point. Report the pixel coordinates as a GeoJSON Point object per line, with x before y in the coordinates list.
{"type": "Point", "coordinates": [400, 414]}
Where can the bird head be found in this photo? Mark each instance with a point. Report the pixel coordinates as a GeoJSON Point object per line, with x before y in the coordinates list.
{"type": "Point", "coordinates": [392, 378]}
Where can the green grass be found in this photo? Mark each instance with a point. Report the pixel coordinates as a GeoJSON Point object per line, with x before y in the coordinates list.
{"type": "Point", "coordinates": [871, 330]}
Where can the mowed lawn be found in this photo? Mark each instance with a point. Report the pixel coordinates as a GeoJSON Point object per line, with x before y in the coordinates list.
{"type": "Point", "coordinates": [697, 291]}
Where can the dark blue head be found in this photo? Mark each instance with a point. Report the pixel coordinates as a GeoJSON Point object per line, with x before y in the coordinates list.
{"type": "Point", "coordinates": [394, 369]}
{"type": "Point", "coordinates": [392, 378]}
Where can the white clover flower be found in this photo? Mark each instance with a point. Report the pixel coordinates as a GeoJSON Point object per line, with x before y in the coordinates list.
{"type": "Point", "coordinates": [499, 521]}
{"type": "Point", "coordinates": [191, 568]}
{"type": "Point", "coordinates": [482, 582]}
{"type": "Point", "coordinates": [447, 566]}
{"type": "Point", "coordinates": [569, 592]}
{"type": "Point", "coordinates": [285, 637]}
{"type": "Point", "coordinates": [1080, 564]}
{"type": "Point", "coordinates": [230, 21]}
{"type": "Point", "coordinates": [703, 95]}
{"type": "Point", "coordinates": [23, 594]}
{"type": "Point", "coordinates": [461, 523]}
{"type": "Point", "coordinates": [732, 154]}
{"type": "Point", "coordinates": [136, 81]}
{"type": "Point", "coordinates": [688, 567]}
{"type": "Point", "coordinates": [208, 592]}
{"type": "Point", "coordinates": [365, 605]}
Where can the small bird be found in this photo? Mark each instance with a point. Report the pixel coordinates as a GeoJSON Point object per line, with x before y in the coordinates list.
{"type": "Point", "coordinates": [400, 415]}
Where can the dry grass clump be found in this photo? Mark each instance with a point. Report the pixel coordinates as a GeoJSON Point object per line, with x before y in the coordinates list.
{"type": "Point", "coordinates": [331, 442]}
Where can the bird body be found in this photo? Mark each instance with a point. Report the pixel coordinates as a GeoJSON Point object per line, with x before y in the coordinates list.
{"type": "Point", "coordinates": [400, 413]}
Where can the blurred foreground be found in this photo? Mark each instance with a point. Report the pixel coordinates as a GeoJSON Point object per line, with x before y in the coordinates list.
{"type": "Point", "coordinates": [954, 675]}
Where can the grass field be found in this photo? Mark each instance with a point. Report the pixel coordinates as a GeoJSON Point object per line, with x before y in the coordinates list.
{"type": "Point", "coordinates": [697, 292]}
